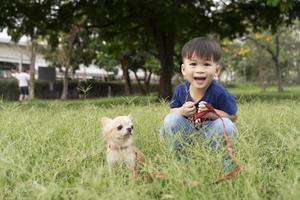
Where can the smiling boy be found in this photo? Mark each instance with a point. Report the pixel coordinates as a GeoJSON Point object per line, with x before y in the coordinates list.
{"type": "Point", "coordinates": [200, 67]}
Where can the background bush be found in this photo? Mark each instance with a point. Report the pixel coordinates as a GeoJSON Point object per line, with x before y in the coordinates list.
{"type": "Point", "coordinates": [9, 89]}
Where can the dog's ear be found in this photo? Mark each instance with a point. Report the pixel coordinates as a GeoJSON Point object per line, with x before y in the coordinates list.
{"type": "Point", "coordinates": [105, 125]}
{"type": "Point", "coordinates": [105, 120]}
{"type": "Point", "coordinates": [130, 116]}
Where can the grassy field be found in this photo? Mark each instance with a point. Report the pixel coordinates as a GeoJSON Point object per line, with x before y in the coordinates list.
{"type": "Point", "coordinates": [53, 150]}
{"type": "Point", "coordinates": [252, 92]}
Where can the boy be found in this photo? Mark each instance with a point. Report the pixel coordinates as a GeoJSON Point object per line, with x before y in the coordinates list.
{"type": "Point", "coordinates": [23, 79]}
{"type": "Point", "coordinates": [200, 67]}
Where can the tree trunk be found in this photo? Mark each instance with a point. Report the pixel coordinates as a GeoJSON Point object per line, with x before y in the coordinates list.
{"type": "Point", "coordinates": [275, 58]}
{"type": "Point", "coordinates": [32, 68]}
{"type": "Point", "coordinates": [164, 39]}
{"type": "Point", "coordinates": [278, 76]}
{"type": "Point", "coordinates": [147, 81]}
{"type": "Point", "coordinates": [69, 39]}
{"type": "Point", "coordinates": [64, 94]}
{"type": "Point", "coordinates": [143, 92]}
{"type": "Point", "coordinates": [278, 67]}
{"type": "Point", "coordinates": [124, 65]}
{"type": "Point", "coordinates": [263, 78]}
{"type": "Point", "coordinates": [165, 44]}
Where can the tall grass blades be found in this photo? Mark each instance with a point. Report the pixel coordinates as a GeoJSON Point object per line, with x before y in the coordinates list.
{"type": "Point", "coordinates": [54, 150]}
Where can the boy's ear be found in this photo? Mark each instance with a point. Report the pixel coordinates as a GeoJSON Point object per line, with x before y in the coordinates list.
{"type": "Point", "coordinates": [218, 70]}
{"type": "Point", "coordinates": [183, 70]}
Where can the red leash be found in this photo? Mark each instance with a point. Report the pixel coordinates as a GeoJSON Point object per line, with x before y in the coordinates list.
{"type": "Point", "coordinates": [198, 116]}
{"type": "Point", "coordinates": [210, 109]}
{"type": "Point", "coordinates": [149, 176]}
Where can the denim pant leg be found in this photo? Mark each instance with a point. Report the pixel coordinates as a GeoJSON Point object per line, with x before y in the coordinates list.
{"type": "Point", "coordinates": [214, 132]}
{"type": "Point", "coordinates": [176, 128]}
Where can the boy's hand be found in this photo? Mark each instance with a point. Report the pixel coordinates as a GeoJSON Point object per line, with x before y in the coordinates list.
{"type": "Point", "coordinates": [201, 106]}
{"type": "Point", "coordinates": [188, 109]}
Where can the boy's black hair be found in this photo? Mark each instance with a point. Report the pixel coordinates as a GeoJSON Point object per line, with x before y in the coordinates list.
{"type": "Point", "coordinates": [202, 47]}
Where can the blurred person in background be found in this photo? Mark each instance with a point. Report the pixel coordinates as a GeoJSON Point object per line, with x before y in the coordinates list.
{"type": "Point", "coordinates": [23, 79]}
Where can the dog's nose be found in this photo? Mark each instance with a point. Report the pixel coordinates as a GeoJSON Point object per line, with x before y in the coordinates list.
{"type": "Point", "coordinates": [129, 129]}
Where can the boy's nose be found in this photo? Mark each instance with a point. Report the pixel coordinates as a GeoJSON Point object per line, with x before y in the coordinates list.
{"type": "Point", "coordinates": [199, 70]}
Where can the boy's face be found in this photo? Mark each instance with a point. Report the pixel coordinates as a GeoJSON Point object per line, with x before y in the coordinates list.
{"type": "Point", "coordinates": [200, 73]}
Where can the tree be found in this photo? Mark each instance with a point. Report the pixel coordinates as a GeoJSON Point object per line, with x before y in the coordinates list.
{"type": "Point", "coordinates": [167, 23]}
{"type": "Point", "coordinates": [262, 55]}
{"type": "Point", "coordinates": [68, 53]}
{"type": "Point", "coordinates": [290, 42]}
{"type": "Point", "coordinates": [149, 65]}
{"type": "Point", "coordinates": [274, 53]}
{"type": "Point", "coordinates": [281, 47]}
{"type": "Point", "coordinates": [68, 43]}
{"type": "Point", "coordinates": [234, 59]}
{"type": "Point", "coordinates": [27, 18]}
{"type": "Point", "coordinates": [172, 21]}
{"type": "Point", "coordinates": [123, 42]}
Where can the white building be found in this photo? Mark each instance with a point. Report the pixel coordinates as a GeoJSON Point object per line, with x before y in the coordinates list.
{"type": "Point", "coordinates": [14, 55]}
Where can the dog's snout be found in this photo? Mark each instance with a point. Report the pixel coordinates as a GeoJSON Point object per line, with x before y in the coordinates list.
{"type": "Point", "coordinates": [129, 129]}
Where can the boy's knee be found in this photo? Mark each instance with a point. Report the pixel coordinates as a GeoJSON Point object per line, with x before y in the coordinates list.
{"type": "Point", "coordinates": [172, 119]}
{"type": "Point", "coordinates": [229, 126]}
{"type": "Point", "coordinates": [173, 122]}
{"type": "Point", "coordinates": [217, 131]}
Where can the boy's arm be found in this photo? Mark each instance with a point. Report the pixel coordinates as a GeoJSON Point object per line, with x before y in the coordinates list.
{"type": "Point", "coordinates": [14, 73]}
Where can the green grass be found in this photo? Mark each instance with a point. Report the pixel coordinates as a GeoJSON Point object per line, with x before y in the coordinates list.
{"type": "Point", "coordinates": [53, 150]}
{"type": "Point", "coordinates": [250, 92]}
{"type": "Point", "coordinates": [271, 91]}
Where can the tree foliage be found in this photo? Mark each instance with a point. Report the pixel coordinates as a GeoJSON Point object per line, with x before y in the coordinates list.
{"type": "Point", "coordinates": [138, 26]}
{"type": "Point", "coordinates": [258, 54]}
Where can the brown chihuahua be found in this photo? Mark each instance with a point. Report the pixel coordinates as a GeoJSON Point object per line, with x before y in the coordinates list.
{"type": "Point", "coordinates": [118, 134]}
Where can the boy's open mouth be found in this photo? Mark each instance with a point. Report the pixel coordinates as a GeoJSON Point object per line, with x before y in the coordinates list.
{"type": "Point", "coordinates": [199, 78]}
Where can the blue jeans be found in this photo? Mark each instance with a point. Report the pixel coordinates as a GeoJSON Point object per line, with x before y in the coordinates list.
{"type": "Point", "coordinates": [178, 130]}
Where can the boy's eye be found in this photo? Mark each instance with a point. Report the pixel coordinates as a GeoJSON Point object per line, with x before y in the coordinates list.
{"type": "Point", "coordinates": [193, 64]}
{"type": "Point", "coordinates": [207, 64]}
{"type": "Point", "coordinates": [119, 127]}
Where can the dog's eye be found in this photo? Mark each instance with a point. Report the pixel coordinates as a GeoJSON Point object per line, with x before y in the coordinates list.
{"type": "Point", "coordinates": [119, 127]}
{"type": "Point", "coordinates": [131, 127]}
